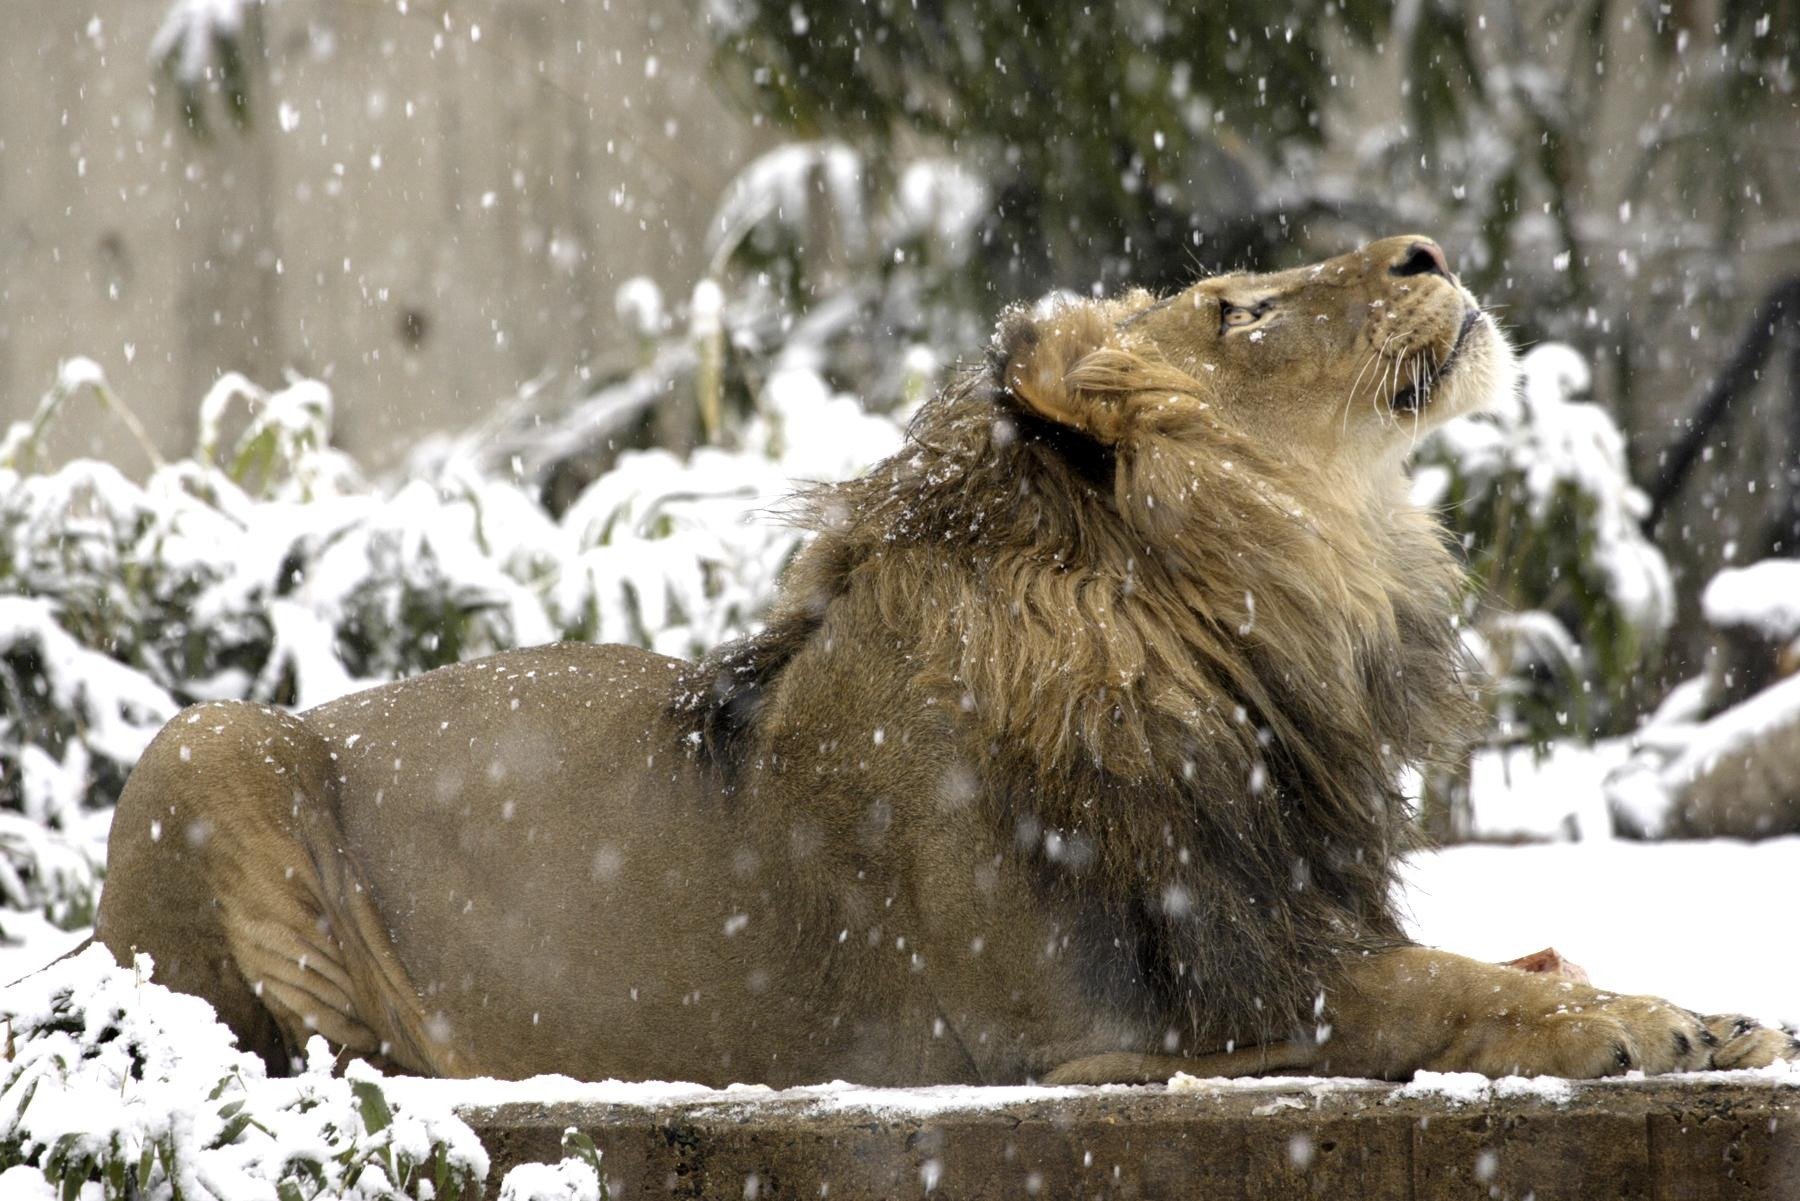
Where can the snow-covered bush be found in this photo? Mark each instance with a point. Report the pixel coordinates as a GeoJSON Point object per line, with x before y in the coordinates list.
{"type": "Point", "coordinates": [116, 1087]}
{"type": "Point", "coordinates": [1571, 600]}
{"type": "Point", "coordinates": [679, 554]}
{"type": "Point", "coordinates": [1716, 759]}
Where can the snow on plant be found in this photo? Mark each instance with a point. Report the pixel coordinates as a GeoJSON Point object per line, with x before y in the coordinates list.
{"type": "Point", "coordinates": [193, 33]}
{"type": "Point", "coordinates": [50, 868]}
{"type": "Point", "coordinates": [575, 1178]}
{"type": "Point", "coordinates": [1723, 721]}
{"type": "Point", "coordinates": [117, 1087]}
{"type": "Point", "coordinates": [205, 46]}
{"type": "Point", "coordinates": [939, 202]}
{"type": "Point", "coordinates": [1577, 599]}
{"type": "Point", "coordinates": [71, 716]}
{"type": "Point", "coordinates": [679, 555]}
{"type": "Point", "coordinates": [786, 184]}
{"type": "Point", "coordinates": [1763, 596]}
{"type": "Point", "coordinates": [1670, 756]}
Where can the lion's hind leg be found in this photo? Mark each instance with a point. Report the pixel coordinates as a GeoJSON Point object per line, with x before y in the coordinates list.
{"type": "Point", "coordinates": [225, 864]}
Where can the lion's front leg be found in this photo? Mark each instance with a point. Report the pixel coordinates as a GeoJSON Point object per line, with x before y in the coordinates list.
{"type": "Point", "coordinates": [1396, 1012]}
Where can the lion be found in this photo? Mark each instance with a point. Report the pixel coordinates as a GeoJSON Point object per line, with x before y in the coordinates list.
{"type": "Point", "coordinates": [1068, 753]}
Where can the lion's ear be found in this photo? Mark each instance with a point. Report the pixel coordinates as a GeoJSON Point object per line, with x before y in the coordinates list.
{"type": "Point", "coordinates": [1036, 360]}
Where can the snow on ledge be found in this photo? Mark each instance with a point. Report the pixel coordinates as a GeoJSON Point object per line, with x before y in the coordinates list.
{"type": "Point", "coordinates": [840, 1097]}
{"type": "Point", "coordinates": [1464, 1088]}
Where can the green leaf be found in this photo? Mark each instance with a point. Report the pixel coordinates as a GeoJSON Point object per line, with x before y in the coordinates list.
{"type": "Point", "coordinates": [579, 1145]}
{"type": "Point", "coordinates": [232, 1129]}
{"type": "Point", "coordinates": [440, 1175]}
{"type": "Point", "coordinates": [370, 1101]}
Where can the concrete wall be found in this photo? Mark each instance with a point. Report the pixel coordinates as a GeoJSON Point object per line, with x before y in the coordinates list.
{"type": "Point", "coordinates": [423, 216]}
{"type": "Point", "coordinates": [1701, 1137]}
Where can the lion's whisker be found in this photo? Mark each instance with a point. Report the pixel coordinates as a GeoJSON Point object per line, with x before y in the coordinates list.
{"type": "Point", "coordinates": [1418, 405]}
{"type": "Point", "coordinates": [1390, 378]}
{"type": "Point", "coordinates": [1355, 384]}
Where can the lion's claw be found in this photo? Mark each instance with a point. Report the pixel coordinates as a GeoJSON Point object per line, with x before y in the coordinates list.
{"type": "Point", "coordinates": [1743, 1042]}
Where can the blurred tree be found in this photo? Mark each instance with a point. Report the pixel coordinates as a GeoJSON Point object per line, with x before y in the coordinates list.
{"type": "Point", "coordinates": [1142, 140]}
{"type": "Point", "coordinates": [1121, 141]}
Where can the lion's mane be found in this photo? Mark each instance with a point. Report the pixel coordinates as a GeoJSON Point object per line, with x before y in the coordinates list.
{"type": "Point", "coordinates": [1196, 673]}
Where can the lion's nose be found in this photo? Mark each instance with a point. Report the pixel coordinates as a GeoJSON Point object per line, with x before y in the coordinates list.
{"type": "Point", "coordinates": [1423, 257]}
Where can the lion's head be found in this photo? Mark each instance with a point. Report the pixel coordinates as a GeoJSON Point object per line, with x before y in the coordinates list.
{"type": "Point", "coordinates": [1338, 366]}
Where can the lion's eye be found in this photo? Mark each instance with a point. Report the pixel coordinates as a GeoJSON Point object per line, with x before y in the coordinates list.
{"type": "Point", "coordinates": [1237, 316]}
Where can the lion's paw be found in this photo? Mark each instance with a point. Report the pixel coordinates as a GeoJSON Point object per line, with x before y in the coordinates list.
{"type": "Point", "coordinates": [1613, 1034]}
{"type": "Point", "coordinates": [1589, 1034]}
{"type": "Point", "coordinates": [1742, 1042]}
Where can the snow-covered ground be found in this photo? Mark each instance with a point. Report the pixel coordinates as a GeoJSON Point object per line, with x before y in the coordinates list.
{"type": "Point", "coordinates": [1707, 924]}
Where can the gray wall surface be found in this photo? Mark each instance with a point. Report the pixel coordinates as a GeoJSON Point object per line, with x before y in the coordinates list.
{"type": "Point", "coordinates": [423, 216]}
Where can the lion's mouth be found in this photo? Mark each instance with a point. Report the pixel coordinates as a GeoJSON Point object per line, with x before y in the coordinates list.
{"type": "Point", "coordinates": [1416, 395]}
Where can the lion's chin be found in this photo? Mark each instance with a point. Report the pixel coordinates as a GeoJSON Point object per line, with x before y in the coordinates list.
{"type": "Point", "coordinates": [1479, 372]}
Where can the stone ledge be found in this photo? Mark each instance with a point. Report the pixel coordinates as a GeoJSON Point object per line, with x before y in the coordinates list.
{"type": "Point", "coordinates": [1710, 1135]}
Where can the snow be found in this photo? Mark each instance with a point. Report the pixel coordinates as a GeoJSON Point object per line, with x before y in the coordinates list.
{"type": "Point", "coordinates": [1764, 596]}
{"type": "Point", "coordinates": [1554, 442]}
{"type": "Point", "coordinates": [1672, 755]}
{"type": "Point", "coordinates": [780, 186]}
{"type": "Point", "coordinates": [1472, 1088]}
{"type": "Point", "coordinates": [639, 305]}
{"type": "Point", "coordinates": [192, 30]}
{"type": "Point", "coordinates": [942, 201]}
{"type": "Point", "coordinates": [79, 372]}
{"type": "Point", "coordinates": [122, 710]}
{"type": "Point", "coordinates": [1181, 1082]}
{"type": "Point", "coordinates": [1557, 792]}
{"type": "Point", "coordinates": [29, 940]}
{"type": "Point", "coordinates": [107, 1067]}
{"type": "Point", "coordinates": [837, 1096]}
{"type": "Point", "coordinates": [569, 1180]}
{"type": "Point", "coordinates": [49, 872]}
{"type": "Point", "coordinates": [706, 309]}
{"type": "Point", "coordinates": [680, 554]}
{"type": "Point", "coordinates": [1702, 923]}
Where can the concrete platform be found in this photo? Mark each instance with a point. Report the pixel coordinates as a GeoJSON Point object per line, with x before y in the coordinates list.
{"type": "Point", "coordinates": [1699, 1137]}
